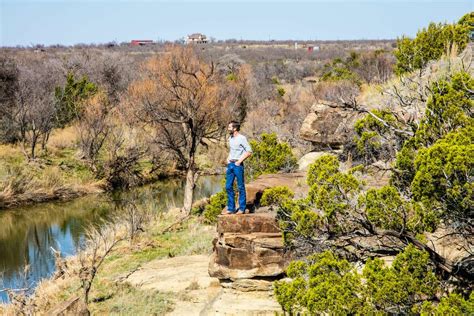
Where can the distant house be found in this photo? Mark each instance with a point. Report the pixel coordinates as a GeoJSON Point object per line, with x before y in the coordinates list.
{"type": "Point", "coordinates": [141, 42]}
{"type": "Point", "coordinates": [312, 48]}
{"type": "Point", "coordinates": [196, 38]}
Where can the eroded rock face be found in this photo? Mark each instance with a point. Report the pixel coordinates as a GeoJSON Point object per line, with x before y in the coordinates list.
{"type": "Point", "coordinates": [247, 224]}
{"type": "Point", "coordinates": [248, 246]}
{"type": "Point", "coordinates": [329, 125]}
{"type": "Point", "coordinates": [251, 245]}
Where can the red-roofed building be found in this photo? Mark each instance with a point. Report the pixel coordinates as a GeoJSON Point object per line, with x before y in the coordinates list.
{"type": "Point", "coordinates": [141, 42]}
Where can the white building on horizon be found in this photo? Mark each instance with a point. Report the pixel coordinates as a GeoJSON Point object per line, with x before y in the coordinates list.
{"type": "Point", "coordinates": [196, 38]}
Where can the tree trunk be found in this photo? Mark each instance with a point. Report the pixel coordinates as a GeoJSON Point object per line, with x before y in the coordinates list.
{"type": "Point", "coordinates": [45, 141]}
{"type": "Point", "coordinates": [34, 139]}
{"type": "Point", "coordinates": [189, 190]}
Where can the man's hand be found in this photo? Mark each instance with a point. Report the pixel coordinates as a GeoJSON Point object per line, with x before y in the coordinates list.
{"type": "Point", "coordinates": [244, 156]}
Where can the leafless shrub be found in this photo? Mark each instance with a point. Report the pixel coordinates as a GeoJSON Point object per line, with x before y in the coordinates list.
{"type": "Point", "coordinates": [340, 92]}
{"type": "Point", "coordinates": [376, 66]}
{"type": "Point", "coordinates": [229, 64]}
{"type": "Point", "coordinates": [34, 111]}
{"type": "Point", "coordinates": [8, 89]}
{"type": "Point", "coordinates": [61, 267]}
{"type": "Point", "coordinates": [135, 218]}
{"type": "Point", "coordinates": [123, 150]}
{"type": "Point", "coordinates": [94, 126]}
{"type": "Point", "coordinates": [281, 118]}
{"type": "Point", "coordinates": [100, 242]}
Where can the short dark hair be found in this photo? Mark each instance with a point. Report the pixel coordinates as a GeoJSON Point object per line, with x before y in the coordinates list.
{"type": "Point", "coordinates": [235, 125]}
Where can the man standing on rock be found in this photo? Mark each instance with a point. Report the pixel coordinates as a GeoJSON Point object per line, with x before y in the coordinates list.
{"type": "Point", "coordinates": [239, 150]}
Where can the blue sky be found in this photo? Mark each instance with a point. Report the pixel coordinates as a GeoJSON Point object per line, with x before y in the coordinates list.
{"type": "Point", "coordinates": [69, 22]}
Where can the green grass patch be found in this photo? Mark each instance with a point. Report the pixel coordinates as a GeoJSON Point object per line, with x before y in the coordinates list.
{"type": "Point", "coordinates": [124, 299]}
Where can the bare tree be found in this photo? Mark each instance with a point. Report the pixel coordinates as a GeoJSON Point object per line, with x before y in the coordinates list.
{"type": "Point", "coordinates": [35, 109]}
{"type": "Point", "coordinates": [135, 217]}
{"type": "Point", "coordinates": [8, 88]}
{"type": "Point", "coordinates": [123, 151]}
{"type": "Point", "coordinates": [183, 100]}
{"type": "Point", "coordinates": [94, 126]}
{"type": "Point", "coordinates": [375, 66]}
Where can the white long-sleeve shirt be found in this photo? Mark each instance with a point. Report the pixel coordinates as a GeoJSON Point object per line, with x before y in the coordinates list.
{"type": "Point", "coordinates": [238, 145]}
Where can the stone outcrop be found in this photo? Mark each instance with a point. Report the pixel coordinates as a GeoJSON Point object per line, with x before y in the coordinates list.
{"type": "Point", "coordinates": [248, 246]}
{"type": "Point", "coordinates": [294, 181]}
{"type": "Point", "coordinates": [194, 292]}
{"type": "Point", "coordinates": [251, 245]}
{"type": "Point", "coordinates": [329, 125]}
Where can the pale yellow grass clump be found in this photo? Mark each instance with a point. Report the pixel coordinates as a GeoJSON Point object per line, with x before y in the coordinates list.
{"type": "Point", "coordinates": [9, 151]}
{"type": "Point", "coordinates": [63, 138]}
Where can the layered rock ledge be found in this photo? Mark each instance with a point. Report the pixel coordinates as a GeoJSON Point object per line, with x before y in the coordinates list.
{"type": "Point", "coordinates": [248, 246]}
{"type": "Point", "coordinates": [251, 245]}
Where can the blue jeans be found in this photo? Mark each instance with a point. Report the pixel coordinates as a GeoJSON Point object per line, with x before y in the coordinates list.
{"type": "Point", "coordinates": [233, 172]}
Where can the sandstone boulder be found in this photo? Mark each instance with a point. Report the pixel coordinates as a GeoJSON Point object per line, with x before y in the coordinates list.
{"type": "Point", "coordinates": [329, 125]}
{"type": "Point", "coordinates": [251, 245]}
{"type": "Point", "coordinates": [248, 246]}
{"type": "Point", "coordinates": [247, 223]}
{"type": "Point", "coordinates": [294, 181]}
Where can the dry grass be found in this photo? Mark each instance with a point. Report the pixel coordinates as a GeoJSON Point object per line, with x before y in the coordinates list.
{"type": "Point", "coordinates": [63, 138]}
{"type": "Point", "coordinates": [9, 152]}
{"type": "Point", "coordinates": [59, 176]}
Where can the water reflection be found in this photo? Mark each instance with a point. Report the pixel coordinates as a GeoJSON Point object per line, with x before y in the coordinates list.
{"type": "Point", "coordinates": [28, 234]}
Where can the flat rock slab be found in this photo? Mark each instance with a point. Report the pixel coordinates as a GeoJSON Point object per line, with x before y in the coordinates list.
{"type": "Point", "coordinates": [195, 293]}
{"type": "Point", "coordinates": [232, 302]}
{"type": "Point", "coordinates": [229, 302]}
{"type": "Point", "coordinates": [174, 274]}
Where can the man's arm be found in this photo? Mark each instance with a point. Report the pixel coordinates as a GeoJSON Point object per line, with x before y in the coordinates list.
{"type": "Point", "coordinates": [247, 153]}
{"type": "Point", "coordinates": [243, 157]}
